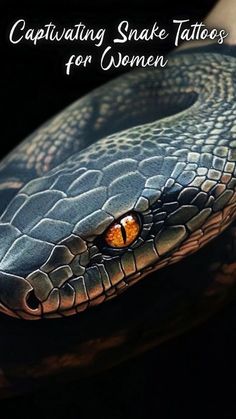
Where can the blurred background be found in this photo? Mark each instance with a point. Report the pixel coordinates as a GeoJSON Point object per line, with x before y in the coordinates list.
{"type": "Point", "coordinates": [190, 376]}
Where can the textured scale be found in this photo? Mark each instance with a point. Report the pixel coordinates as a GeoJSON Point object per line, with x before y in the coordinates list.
{"type": "Point", "coordinates": [161, 144]}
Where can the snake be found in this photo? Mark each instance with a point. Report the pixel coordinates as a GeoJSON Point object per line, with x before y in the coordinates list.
{"type": "Point", "coordinates": [135, 176]}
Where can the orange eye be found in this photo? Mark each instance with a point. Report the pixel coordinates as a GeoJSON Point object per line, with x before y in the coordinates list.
{"type": "Point", "coordinates": [123, 232]}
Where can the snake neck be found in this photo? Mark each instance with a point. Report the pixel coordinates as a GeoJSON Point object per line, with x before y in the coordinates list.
{"type": "Point", "coordinates": [190, 106]}
{"type": "Point", "coordinates": [192, 100]}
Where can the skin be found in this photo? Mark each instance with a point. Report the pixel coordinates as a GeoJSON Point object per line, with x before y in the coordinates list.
{"type": "Point", "coordinates": [221, 16]}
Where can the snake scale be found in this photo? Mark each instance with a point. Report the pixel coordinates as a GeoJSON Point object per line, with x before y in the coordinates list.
{"type": "Point", "coordinates": [157, 147]}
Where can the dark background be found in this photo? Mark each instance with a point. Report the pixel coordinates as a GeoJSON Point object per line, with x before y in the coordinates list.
{"type": "Point", "coordinates": [191, 376]}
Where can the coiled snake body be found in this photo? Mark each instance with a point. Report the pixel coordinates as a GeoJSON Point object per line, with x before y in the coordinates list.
{"type": "Point", "coordinates": [157, 145]}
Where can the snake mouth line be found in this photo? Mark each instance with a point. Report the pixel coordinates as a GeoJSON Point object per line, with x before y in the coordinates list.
{"type": "Point", "coordinates": [34, 310]}
{"type": "Point", "coordinates": [6, 310]}
{"type": "Point", "coordinates": [35, 304]}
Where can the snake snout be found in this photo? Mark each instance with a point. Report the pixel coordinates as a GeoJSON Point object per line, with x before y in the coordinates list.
{"type": "Point", "coordinates": [17, 297]}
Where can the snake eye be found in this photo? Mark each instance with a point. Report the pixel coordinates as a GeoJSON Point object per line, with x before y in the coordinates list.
{"type": "Point", "coordinates": [123, 232]}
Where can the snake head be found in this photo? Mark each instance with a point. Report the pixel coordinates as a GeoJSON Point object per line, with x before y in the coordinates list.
{"type": "Point", "coordinates": [93, 226]}
{"type": "Point", "coordinates": [130, 203]}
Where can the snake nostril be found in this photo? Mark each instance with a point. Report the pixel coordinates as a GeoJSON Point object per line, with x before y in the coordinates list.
{"type": "Point", "coordinates": [32, 301]}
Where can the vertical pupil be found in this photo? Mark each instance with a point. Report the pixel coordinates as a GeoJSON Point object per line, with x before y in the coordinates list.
{"type": "Point", "coordinates": [123, 232]}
